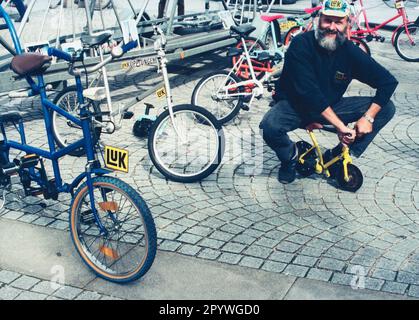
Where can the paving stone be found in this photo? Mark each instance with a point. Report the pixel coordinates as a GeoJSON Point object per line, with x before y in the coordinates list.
{"type": "Point", "coordinates": [288, 246]}
{"type": "Point", "coordinates": [8, 276]}
{"type": "Point", "coordinates": [394, 287]}
{"type": "Point", "coordinates": [251, 262]}
{"type": "Point", "coordinates": [242, 238]}
{"type": "Point", "coordinates": [211, 243]}
{"type": "Point", "coordinates": [305, 261]}
{"type": "Point", "coordinates": [384, 274]}
{"type": "Point", "coordinates": [230, 258]}
{"type": "Point", "coordinates": [319, 274]}
{"type": "Point", "coordinates": [29, 295]}
{"type": "Point", "coordinates": [407, 277]}
{"type": "Point", "coordinates": [67, 292]}
{"type": "Point", "coordinates": [281, 256]}
{"type": "Point", "coordinates": [189, 238]}
{"type": "Point", "coordinates": [168, 245]}
{"type": "Point", "coordinates": [343, 279]}
{"type": "Point", "coordinates": [189, 250]}
{"type": "Point", "coordinates": [233, 247]}
{"type": "Point", "coordinates": [258, 251]}
{"type": "Point", "coordinates": [209, 254]}
{"type": "Point", "coordinates": [413, 291]}
{"type": "Point", "coordinates": [274, 266]}
{"type": "Point", "coordinates": [294, 270]}
{"type": "Point", "coordinates": [25, 282]}
{"type": "Point", "coordinates": [9, 293]}
{"type": "Point", "coordinates": [44, 287]}
{"type": "Point", "coordinates": [331, 264]}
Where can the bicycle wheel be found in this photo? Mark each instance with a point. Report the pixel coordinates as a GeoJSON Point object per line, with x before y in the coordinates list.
{"type": "Point", "coordinates": [407, 43]}
{"type": "Point", "coordinates": [65, 132]}
{"type": "Point", "coordinates": [253, 45]}
{"type": "Point", "coordinates": [209, 93]}
{"type": "Point", "coordinates": [125, 248]}
{"type": "Point", "coordinates": [355, 179]}
{"type": "Point", "coordinates": [361, 44]}
{"type": "Point", "coordinates": [192, 152]}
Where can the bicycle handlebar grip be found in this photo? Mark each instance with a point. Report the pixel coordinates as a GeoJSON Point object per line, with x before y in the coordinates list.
{"type": "Point", "coordinates": [59, 54]}
{"type": "Point", "coordinates": [130, 45]}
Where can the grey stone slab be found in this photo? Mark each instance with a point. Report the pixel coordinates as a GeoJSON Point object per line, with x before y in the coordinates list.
{"type": "Point", "coordinates": [44, 287]}
{"type": "Point", "coordinates": [233, 247]}
{"type": "Point", "coordinates": [251, 262]}
{"type": "Point", "coordinates": [282, 256]}
{"type": "Point", "coordinates": [305, 261]}
{"type": "Point", "coordinates": [294, 270]}
{"type": "Point", "coordinates": [332, 264]}
{"type": "Point", "coordinates": [67, 292]}
{"type": "Point", "coordinates": [8, 276]}
{"type": "Point", "coordinates": [29, 295]}
{"type": "Point", "coordinates": [89, 295]}
{"type": "Point", "coordinates": [258, 251]}
{"type": "Point", "coordinates": [209, 254]}
{"type": "Point", "coordinates": [319, 274]}
{"type": "Point", "coordinates": [394, 287]}
{"type": "Point", "coordinates": [211, 243]}
{"type": "Point", "coordinates": [230, 258]}
{"type": "Point", "coordinates": [25, 282]}
{"type": "Point", "coordinates": [9, 293]}
{"type": "Point", "coordinates": [168, 245]}
{"type": "Point", "coordinates": [288, 246]}
{"type": "Point", "coordinates": [189, 250]}
{"type": "Point", "coordinates": [189, 238]}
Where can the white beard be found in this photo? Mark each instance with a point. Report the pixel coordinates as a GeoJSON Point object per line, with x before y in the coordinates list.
{"type": "Point", "coordinates": [327, 43]}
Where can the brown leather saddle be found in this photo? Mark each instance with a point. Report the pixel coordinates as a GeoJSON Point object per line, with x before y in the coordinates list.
{"type": "Point", "coordinates": [30, 64]}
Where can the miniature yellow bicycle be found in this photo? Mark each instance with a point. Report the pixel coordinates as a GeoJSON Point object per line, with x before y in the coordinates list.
{"type": "Point", "coordinates": [311, 160]}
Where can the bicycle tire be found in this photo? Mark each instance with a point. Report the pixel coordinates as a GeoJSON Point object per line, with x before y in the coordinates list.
{"type": "Point", "coordinates": [198, 100]}
{"type": "Point", "coordinates": [414, 30]}
{"type": "Point", "coordinates": [126, 242]}
{"type": "Point", "coordinates": [58, 137]}
{"type": "Point", "coordinates": [361, 44]}
{"type": "Point", "coordinates": [260, 46]}
{"type": "Point", "coordinates": [199, 115]}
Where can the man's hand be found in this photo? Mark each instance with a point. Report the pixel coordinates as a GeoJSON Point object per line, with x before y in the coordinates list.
{"type": "Point", "coordinates": [346, 135]}
{"type": "Point", "coordinates": [362, 127]}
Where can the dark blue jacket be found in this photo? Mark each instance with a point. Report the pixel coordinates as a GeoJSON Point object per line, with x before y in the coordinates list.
{"type": "Point", "coordinates": [314, 78]}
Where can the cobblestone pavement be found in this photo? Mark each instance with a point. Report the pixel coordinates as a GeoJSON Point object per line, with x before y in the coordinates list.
{"type": "Point", "coordinates": [17, 286]}
{"type": "Point", "coordinates": [306, 229]}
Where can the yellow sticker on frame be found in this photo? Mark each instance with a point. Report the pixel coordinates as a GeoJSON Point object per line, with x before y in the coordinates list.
{"type": "Point", "coordinates": [161, 93]}
{"type": "Point", "coordinates": [116, 159]}
{"type": "Point", "coordinates": [284, 26]}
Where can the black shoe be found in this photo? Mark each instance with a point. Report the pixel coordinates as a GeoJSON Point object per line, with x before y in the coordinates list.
{"type": "Point", "coordinates": [287, 172]}
{"type": "Point", "coordinates": [329, 154]}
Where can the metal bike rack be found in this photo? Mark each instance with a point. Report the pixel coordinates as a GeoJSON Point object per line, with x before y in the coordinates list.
{"type": "Point", "coordinates": [178, 47]}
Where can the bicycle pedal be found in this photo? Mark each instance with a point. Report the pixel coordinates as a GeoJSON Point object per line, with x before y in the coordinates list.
{"type": "Point", "coordinates": [245, 107]}
{"type": "Point", "coordinates": [34, 192]}
{"type": "Point", "coordinates": [127, 115]}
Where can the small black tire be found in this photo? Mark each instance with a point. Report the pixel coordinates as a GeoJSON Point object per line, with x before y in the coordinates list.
{"type": "Point", "coordinates": [355, 179]}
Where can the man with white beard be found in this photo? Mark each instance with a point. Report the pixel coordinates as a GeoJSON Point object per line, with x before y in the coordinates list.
{"type": "Point", "coordinates": [319, 65]}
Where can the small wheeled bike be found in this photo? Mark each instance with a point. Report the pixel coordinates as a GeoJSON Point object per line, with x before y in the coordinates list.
{"type": "Point", "coordinates": [311, 160]}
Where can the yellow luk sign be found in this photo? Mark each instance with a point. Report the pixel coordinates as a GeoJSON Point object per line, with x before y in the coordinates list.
{"type": "Point", "coordinates": [116, 159]}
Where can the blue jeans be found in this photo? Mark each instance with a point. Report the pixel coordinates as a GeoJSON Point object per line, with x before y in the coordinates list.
{"type": "Point", "coordinates": [283, 118]}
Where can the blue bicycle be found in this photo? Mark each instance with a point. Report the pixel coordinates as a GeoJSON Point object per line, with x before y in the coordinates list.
{"type": "Point", "coordinates": [110, 224]}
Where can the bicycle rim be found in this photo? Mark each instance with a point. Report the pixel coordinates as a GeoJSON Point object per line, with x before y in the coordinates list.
{"type": "Point", "coordinates": [405, 48]}
{"type": "Point", "coordinates": [122, 252]}
{"type": "Point", "coordinates": [190, 151]}
{"type": "Point", "coordinates": [65, 131]}
{"type": "Point", "coordinates": [213, 96]}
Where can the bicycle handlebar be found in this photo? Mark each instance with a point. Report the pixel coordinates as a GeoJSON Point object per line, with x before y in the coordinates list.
{"type": "Point", "coordinates": [60, 54]}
